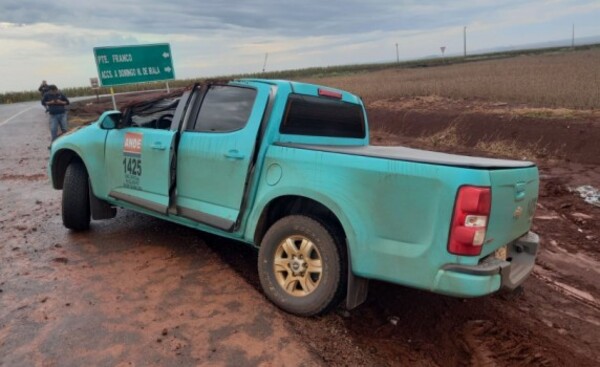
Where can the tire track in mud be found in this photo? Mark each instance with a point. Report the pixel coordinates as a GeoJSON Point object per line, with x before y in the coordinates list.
{"type": "Point", "coordinates": [491, 344]}
{"type": "Point", "coordinates": [14, 177]}
{"type": "Point", "coordinates": [570, 291]}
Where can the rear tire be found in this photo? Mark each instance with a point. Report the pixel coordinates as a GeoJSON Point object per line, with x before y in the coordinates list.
{"type": "Point", "coordinates": [75, 198]}
{"type": "Point", "coordinates": [301, 266]}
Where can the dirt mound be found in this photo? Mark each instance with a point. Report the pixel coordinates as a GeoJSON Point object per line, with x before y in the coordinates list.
{"type": "Point", "coordinates": [510, 130]}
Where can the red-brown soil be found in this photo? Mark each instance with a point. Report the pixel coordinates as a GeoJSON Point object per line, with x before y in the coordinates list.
{"type": "Point", "coordinates": [571, 135]}
{"type": "Point", "coordinates": [107, 296]}
{"type": "Point", "coordinates": [556, 320]}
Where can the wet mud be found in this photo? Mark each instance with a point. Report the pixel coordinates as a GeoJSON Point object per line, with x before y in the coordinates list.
{"type": "Point", "coordinates": [137, 291]}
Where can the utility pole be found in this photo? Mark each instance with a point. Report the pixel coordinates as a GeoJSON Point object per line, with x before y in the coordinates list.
{"type": "Point", "coordinates": [573, 37]}
{"type": "Point", "coordinates": [265, 63]}
{"type": "Point", "coordinates": [465, 40]}
{"type": "Point", "coordinates": [397, 54]}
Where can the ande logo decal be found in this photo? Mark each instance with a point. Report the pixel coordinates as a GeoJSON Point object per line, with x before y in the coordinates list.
{"type": "Point", "coordinates": [133, 144]}
{"type": "Point", "coordinates": [132, 160]}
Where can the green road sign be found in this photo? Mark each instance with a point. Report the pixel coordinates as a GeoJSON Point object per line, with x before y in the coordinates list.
{"type": "Point", "coordinates": [134, 64]}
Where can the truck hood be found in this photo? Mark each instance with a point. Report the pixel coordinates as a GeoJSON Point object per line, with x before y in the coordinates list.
{"type": "Point", "coordinates": [416, 155]}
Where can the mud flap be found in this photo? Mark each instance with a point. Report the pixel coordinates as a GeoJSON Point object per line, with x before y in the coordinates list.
{"type": "Point", "coordinates": [100, 209]}
{"type": "Point", "coordinates": [358, 288]}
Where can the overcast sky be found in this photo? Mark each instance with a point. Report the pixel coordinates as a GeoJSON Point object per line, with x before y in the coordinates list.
{"type": "Point", "coordinates": [54, 40]}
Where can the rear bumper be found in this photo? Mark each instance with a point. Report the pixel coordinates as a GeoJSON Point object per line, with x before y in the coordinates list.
{"type": "Point", "coordinates": [491, 274]}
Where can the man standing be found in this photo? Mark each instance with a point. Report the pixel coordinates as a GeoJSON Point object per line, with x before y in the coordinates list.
{"type": "Point", "coordinates": [55, 102]}
{"type": "Point", "coordinates": [43, 88]}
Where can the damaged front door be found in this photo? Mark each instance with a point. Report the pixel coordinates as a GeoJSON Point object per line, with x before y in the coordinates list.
{"type": "Point", "coordinates": [138, 162]}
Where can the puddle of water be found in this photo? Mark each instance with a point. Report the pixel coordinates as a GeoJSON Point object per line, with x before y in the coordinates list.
{"type": "Point", "coordinates": [589, 193]}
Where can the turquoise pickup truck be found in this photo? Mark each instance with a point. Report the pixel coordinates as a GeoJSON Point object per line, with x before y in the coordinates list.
{"type": "Point", "coordinates": [287, 168]}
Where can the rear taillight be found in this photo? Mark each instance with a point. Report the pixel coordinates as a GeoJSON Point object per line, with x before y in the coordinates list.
{"type": "Point", "coordinates": [469, 223]}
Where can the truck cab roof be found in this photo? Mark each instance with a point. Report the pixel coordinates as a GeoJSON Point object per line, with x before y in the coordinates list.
{"type": "Point", "coordinates": [306, 89]}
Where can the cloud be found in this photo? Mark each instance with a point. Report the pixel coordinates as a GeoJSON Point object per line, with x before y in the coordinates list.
{"type": "Point", "coordinates": [55, 40]}
{"type": "Point", "coordinates": [282, 18]}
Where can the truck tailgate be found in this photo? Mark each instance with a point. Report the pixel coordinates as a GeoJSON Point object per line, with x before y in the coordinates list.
{"type": "Point", "coordinates": [514, 198]}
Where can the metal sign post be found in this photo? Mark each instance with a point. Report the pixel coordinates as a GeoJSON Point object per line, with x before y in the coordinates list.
{"type": "Point", "coordinates": [95, 87]}
{"type": "Point", "coordinates": [112, 96]}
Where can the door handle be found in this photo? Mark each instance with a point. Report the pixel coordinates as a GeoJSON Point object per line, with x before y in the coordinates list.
{"type": "Point", "coordinates": [234, 154]}
{"type": "Point", "coordinates": [158, 146]}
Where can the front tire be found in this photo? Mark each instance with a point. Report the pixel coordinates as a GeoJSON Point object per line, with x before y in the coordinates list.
{"type": "Point", "coordinates": [301, 266]}
{"type": "Point", "coordinates": [75, 198]}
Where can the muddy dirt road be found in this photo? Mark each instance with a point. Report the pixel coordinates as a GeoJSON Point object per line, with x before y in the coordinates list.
{"type": "Point", "coordinates": [133, 290]}
{"type": "Point", "coordinates": [138, 291]}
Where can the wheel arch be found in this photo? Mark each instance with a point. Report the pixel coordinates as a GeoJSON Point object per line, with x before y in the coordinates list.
{"type": "Point", "coordinates": [60, 162]}
{"type": "Point", "coordinates": [284, 205]}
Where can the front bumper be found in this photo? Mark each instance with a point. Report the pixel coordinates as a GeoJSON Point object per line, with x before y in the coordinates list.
{"type": "Point", "coordinates": [491, 274]}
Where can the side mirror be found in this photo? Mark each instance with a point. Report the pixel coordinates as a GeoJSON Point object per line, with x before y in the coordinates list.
{"type": "Point", "coordinates": [110, 121]}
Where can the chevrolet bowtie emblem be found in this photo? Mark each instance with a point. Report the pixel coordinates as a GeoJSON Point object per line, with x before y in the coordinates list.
{"type": "Point", "coordinates": [517, 212]}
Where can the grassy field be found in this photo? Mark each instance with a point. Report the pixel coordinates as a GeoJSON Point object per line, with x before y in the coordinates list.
{"type": "Point", "coordinates": [564, 79]}
{"type": "Point", "coordinates": [543, 77]}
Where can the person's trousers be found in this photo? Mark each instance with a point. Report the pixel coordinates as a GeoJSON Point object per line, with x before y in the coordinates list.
{"type": "Point", "coordinates": [57, 121]}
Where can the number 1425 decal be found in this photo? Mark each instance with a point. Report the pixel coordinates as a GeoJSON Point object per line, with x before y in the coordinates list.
{"type": "Point", "coordinates": [132, 166]}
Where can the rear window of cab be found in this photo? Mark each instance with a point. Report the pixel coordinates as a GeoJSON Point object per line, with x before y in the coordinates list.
{"type": "Point", "coordinates": [321, 116]}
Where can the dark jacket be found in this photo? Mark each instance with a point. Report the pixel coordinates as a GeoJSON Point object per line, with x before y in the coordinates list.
{"type": "Point", "coordinates": [55, 102]}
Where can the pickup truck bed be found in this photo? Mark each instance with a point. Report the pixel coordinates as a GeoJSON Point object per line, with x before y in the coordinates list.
{"type": "Point", "coordinates": [416, 155]}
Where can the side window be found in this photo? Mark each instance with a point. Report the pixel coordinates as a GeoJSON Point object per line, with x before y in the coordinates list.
{"type": "Point", "coordinates": [306, 115]}
{"type": "Point", "coordinates": [225, 108]}
{"type": "Point", "coordinates": [152, 114]}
